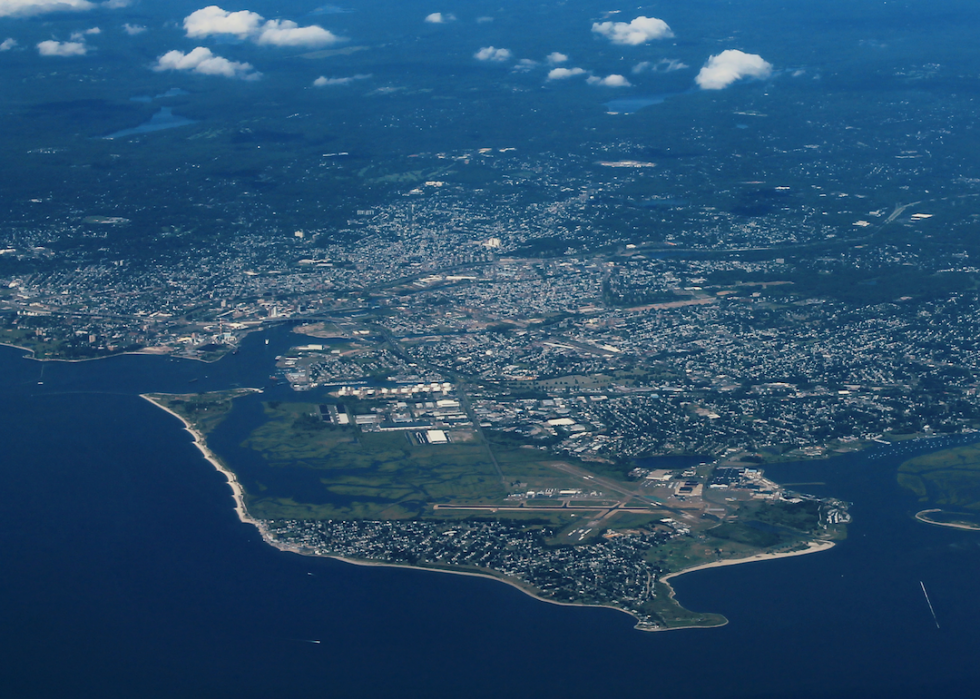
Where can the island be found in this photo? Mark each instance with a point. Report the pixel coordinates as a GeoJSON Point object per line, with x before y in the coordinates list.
{"type": "Point", "coordinates": [400, 475]}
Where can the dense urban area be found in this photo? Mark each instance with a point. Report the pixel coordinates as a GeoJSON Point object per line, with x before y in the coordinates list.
{"type": "Point", "coordinates": [647, 346]}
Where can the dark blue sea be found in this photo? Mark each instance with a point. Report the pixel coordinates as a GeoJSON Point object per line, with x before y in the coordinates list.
{"type": "Point", "coordinates": [124, 572]}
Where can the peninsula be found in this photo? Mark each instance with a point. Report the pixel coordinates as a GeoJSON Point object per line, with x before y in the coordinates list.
{"type": "Point", "coordinates": [456, 498]}
{"type": "Point", "coordinates": [948, 481]}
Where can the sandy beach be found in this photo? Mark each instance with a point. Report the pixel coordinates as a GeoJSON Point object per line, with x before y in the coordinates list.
{"type": "Point", "coordinates": [811, 547]}
{"type": "Point", "coordinates": [923, 517]}
{"type": "Point", "coordinates": [238, 493]}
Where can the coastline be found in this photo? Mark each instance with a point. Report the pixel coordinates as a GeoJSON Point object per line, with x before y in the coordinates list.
{"type": "Point", "coordinates": [238, 494]}
{"type": "Point", "coordinates": [811, 547]}
{"type": "Point", "coordinates": [155, 351]}
{"type": "Point", "coordinates": [149, 352]}
{"type": "Point", "coordinates": [473, 574]}
{"type": "Point", "coordinates": [921, 516]}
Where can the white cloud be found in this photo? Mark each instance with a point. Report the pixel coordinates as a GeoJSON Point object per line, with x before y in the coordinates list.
{"type": "Point", "coordinates": [62, 48]}
{"type": "Point", "coordinates": [23, 8]}
{"type": "Point", "coordinates": [489, 53]}
{"type": "Point", "coordinates": [80, 36]}
{"type": "Point", "coordinates": [201, 60]}
{"type": "Point", "coordinates": [212, 20]}
{"type": "Point", "coordinates": [728, 66]}
{"type": "Point", "coordinates": [439, 18]}
{"type": "Point", "coordinates": [324, 81]}
{"type": "Point", "coordinates": [609, 81]}
{"type": "Point", "coordinates": [8, 44]}
{"type": "Point", "coordinates": [639, 31]}
{"type": "Point", "coordinates": [564, 73]}
{"type": "Point", "coordinates": [483, 20]}
{"type": "Point", "coordinates": [664, 65]}
{"type": "Point", "coordinates": [555, 58]}
{"type": "Point", "coordinates": [286, 33]}
{"type": "Point", "coordinates": [525, 65]}
{"type": "Point", "coordinates": [27, 8]}
{"type": "Point", "coordinates": [134, 29]}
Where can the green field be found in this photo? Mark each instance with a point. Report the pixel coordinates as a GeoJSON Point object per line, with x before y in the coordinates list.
{"type": "Point", "coordinates": [311, 469]}
{"type": "Point", "coordinates": [765, 525]}
{"type": "Point", "coordinates": [674, 616]}
{"type": "Point", "coordinates": [945, 479]}
{"type": "Point", "coordinates": [366, 475]}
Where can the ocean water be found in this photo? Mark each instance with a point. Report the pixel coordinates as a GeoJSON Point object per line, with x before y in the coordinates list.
{"type": "Point", "coordinates": [126, 573]}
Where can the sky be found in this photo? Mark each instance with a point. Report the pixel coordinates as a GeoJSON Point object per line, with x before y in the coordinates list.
{"type": "Point", "coordinates": [209, 40]}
